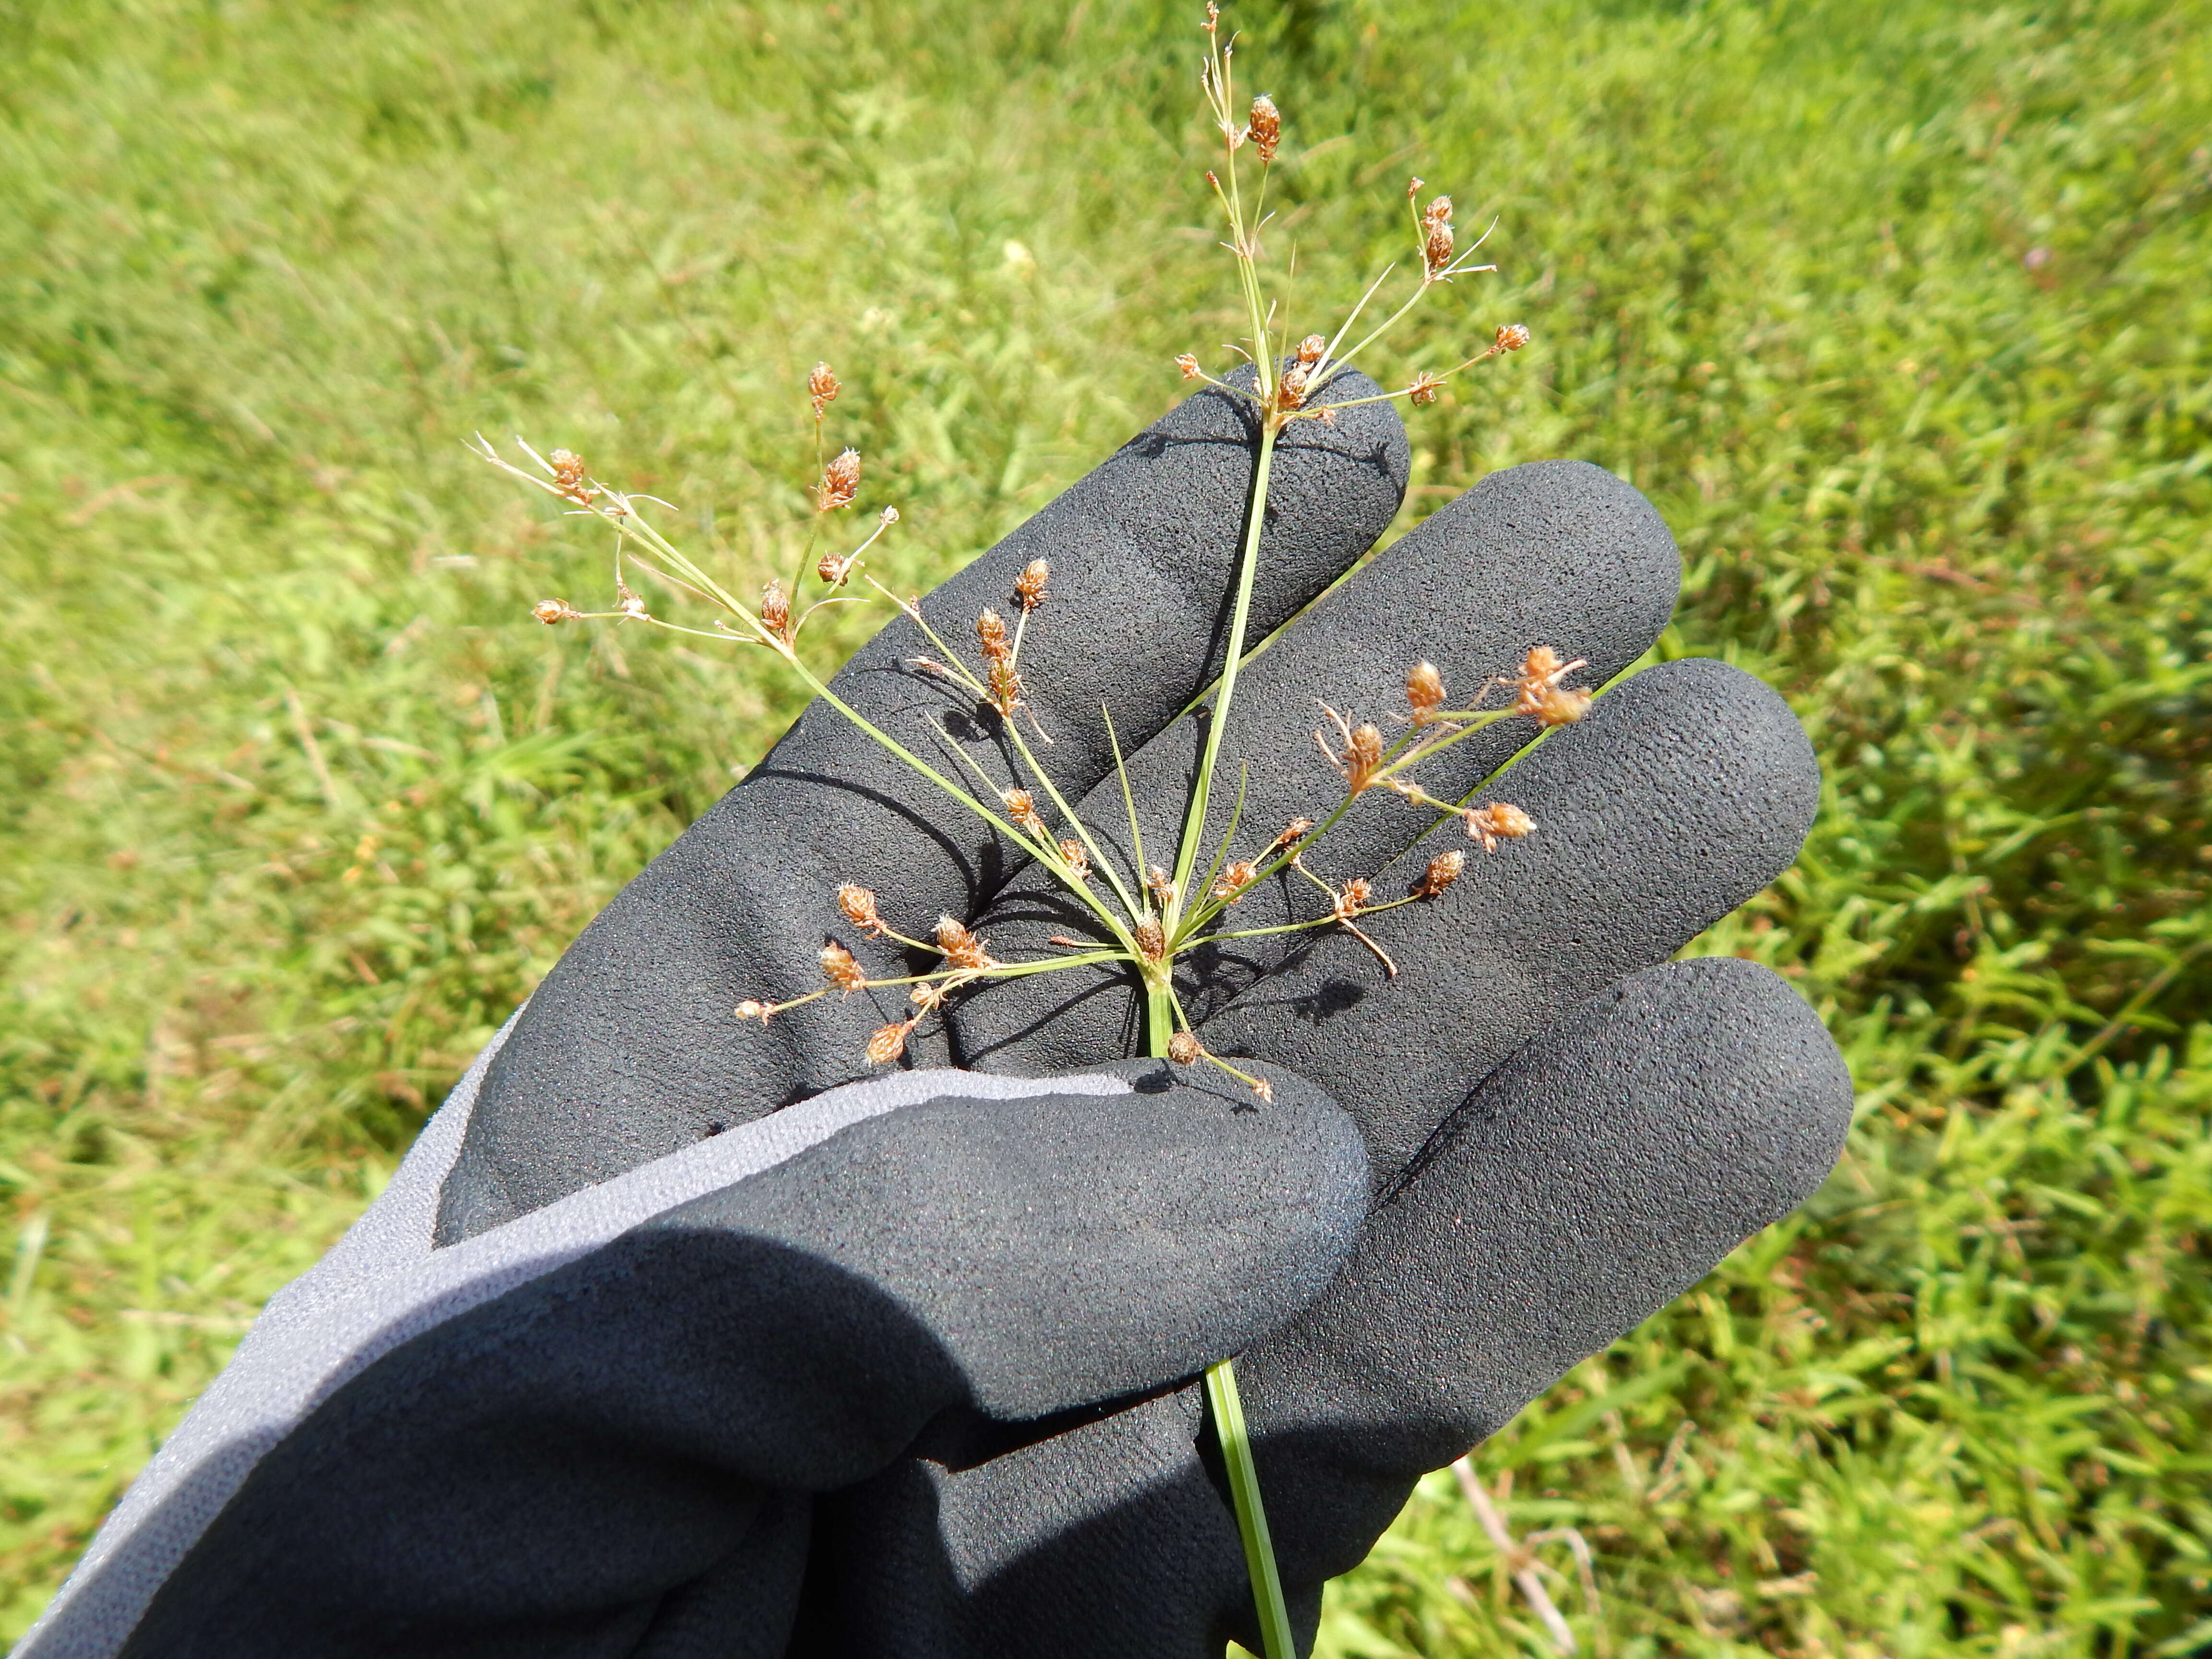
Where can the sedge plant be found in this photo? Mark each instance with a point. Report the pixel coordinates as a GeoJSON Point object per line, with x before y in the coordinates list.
{"type": "Point", "coordinates": [1143, 916]}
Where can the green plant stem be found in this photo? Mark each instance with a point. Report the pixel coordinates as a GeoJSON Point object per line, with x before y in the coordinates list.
{"type": "Point", "coordinates": [1193, 833]}
{"type": "Point", "coordinates": [1228, 1408]}
{"type": "Point", "coordinates": [1221, 1394]}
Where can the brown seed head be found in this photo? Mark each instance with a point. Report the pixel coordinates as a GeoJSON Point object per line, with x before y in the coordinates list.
{"type": "Point", "coordinates": [1151, 940]}
{"type": "Point", "coordinates": [1500, 822]}
{"type": "Point", "coordinates": [1028, 586]}
{"type": "Point", "coordinates": [1362, 757]}
{"type": "Point", "coordinates": [1021, 807]}
{"type": "Point", "coordinates": [1078, 862]}
{"type": "Point", "coordinates": [841, 481]}
{"type": "Point", "coordinates": [840, 968]}
{"type": "Point", "coordinates": [990, 634]}
{"type": "Point", "coordinates": [550, 611]}
{"type": "Point", "coordinates": [858, 905]}
{"type": "Point", "coordinates": [775, 610]}
{"type": "Point", "coordinates": [1437, 238]}
{"type": "Point", "coordinates": [1292, 832]}
{"type": "Point", "coordinates": [822, 387]}
{"type": "Point", "coordinates": [1425, 388]}
{"type": "Point", "coordinates": [1236, 877]}
{"type": "Point", "coordinates": [1542, 694]}
{"type": "Point", "coordinates": [960, 945]}
{"type": "Point", "coordinates": [1413, 187]}
{"type": "Point", "coordinates": [834, 569]}
{"type": "Point", "coordinates": [1264, 1089]}
{"type": "Point", "coordinates": [890, 1042]}
{"type": "Point", "coordinates": [1351, 897]}
{"type": "Point", "coordinates": [1266, 127]}
{"type": "Point", "coordinates": [1557, 705]}
{"type": "Point", "coordinates": [749, 1009]}
{"type": "Point", "coordinates": [1291, 390]}
{"type": "Point", "coordinates": [1161, 886]}
{"type": "Point", "coordinates": [627, 600]}
{"type": "Point", "coordinates": [1444, 870]}
{"type": "Point", "coordinates": [1004, 686]}
{"type": "Point", "coordinates": [1424, 690]}
{"type": "Point", "coordinates": [1311, 349]}
{"type": "Point", "coordinates": [1188, 365]}
{"type": "Point", "coordinates": [1512, 336]}
{"type": "Point", "coordinates": [569, 477]}
{"type": "Point", "coordinates": [1183, 1048]}
{"type": "Point", "coordinates": [926, 995]}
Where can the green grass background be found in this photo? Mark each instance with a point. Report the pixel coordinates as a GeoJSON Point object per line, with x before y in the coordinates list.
{"type": "Point", "coordinates": [1898, 312]}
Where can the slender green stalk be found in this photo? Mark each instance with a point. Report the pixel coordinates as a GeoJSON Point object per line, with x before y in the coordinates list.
{"type": "Point", "coordinates": [1228, 1409]}
{"type": "Point", "coordinates": [1194, 832]}
{"type": "Point", "coordinates": [1221, 1394]}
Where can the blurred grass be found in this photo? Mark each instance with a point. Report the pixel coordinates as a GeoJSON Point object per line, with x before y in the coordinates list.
{"type": "Point", "coordinates": [1897, 313]}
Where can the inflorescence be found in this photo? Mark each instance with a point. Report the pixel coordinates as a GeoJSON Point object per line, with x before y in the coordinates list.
{"type": "Point", "coordinates": [1146, 918]}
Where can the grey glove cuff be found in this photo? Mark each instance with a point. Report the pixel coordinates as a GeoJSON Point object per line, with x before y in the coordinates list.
{"type": "Point", "coordinates": [385, 1285]}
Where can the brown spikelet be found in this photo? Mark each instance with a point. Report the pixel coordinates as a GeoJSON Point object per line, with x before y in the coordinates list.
{"type": "Point", "coordinates": [1188, 365]}
{"type": "Point", "coordinates": [550, 611]}
{"type": "Point", "coordinates": [889, 1040]}
{"type": "Point", "coordinates": [1311, 349]}
{"type": "Point", "coordinates": [775, 610]}
{"type": "Point", "coordinates": [1236, 877]}
{"type": "Point", "coordinates": [1267, 128]}
{"type": "Point", "coordinates": [960, 945]}
{"type": "Point", "coordinates": [1512, 336]}
{"type": "Point", "coordinates": [1425, 388]}
{"type": "Point", "coordinates": [1291, 390]}
{"type": "Point", "coordinates": [1161, 886]}
{"type": "Point", "coordinates": [1559, 705]}
{"type": "Point", "coordinates": [841, 481]}
{"type": "Point", "coordinates": [1183, 1048]}
{"type": "Point", "coordinates": [1021, 807]}
{"type": "Point", "coordinates": [840, 968]}
{"type": "Point", "coordinates": [751, 1009]}
{"type": "Point", "coordinates": [569, 477]}
{"type": "Point", "coordinates": [1351, 897]}
{"type": "Point", "coordinates": [1004, 684]}
{"type": "Point", "coordinates": [1437, 238]}
{"type": "Point", "coordinates": [1425, 691]}
{"type": "Point", "coordinates": [1444, 870]}
{"type": "Point", "coordinates": [990, 634]}
{"type": "Point", "coordinates": [1292, 833]}
{"type": "Point", "coordinates": [1151, 940]}
{"type": "Point", "coordinates": [858, 905]}
{"type": "Point", "coordinates": [1078, 862]}
{"type": "Point", "coordinates": [1501, 821]}
{"type": "Point", "coordinates": [1028, 586]}
{"type": "Point", "coordinates": [1363, 751]}
{"type": "Point", "coordinates": [1542, 694]}
{"type": "Point", "coordinates": [822, 387]}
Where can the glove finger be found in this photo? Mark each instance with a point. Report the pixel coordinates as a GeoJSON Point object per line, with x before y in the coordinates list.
{"type": "Point", "coordinates": [1598, 1175]}
{"type": "Point", "coordinates": [584, 1445]}
{"type": "Point", "coordinates": [1592, 1179]}
{"type": "Point", "coordinates": [1687, 789]}
{"type": "Point", "coordinates": [1557, 553]}
{"type": "Point", "coordinates": [629, 1048]}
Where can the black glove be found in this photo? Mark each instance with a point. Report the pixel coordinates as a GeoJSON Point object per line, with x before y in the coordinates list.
{"type": "Point", "coordinates": [1563, 1135]}
{"type": "Point", "coordinates": [610, 1450]}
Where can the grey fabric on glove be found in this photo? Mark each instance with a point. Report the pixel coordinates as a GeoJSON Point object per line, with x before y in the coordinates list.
{"type": "Point", "coordinates": [924, 1388]}
{"type": "Point", "coordinates": [595, 1430]}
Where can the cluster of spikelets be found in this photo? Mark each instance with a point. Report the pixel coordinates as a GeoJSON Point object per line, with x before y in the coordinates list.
{"type": "Point", "coordinates": [1146, 916]}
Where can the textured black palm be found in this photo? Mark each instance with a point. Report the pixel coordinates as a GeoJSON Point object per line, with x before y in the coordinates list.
{"type": "Point", "coordinates": [1563, 1132]}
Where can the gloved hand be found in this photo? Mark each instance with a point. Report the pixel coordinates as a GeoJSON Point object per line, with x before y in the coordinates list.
{"type": "Point", "coordinates": [602, 1441]}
